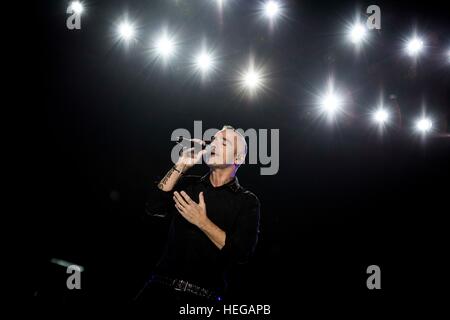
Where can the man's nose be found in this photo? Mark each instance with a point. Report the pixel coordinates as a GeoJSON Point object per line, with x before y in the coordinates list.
{"type": "Point", "coordinates": [213, 144]}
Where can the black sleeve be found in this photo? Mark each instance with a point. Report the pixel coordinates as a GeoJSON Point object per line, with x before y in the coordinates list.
{"type": "Point", "coordinates": [159, 203]}
{"type": "Point", "coordinates": [240, 242]}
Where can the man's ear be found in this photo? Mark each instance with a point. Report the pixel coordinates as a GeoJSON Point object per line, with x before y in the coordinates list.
{"type": "Point", "coordinates": [239, 159]}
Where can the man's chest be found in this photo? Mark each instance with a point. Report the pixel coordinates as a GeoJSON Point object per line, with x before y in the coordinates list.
{"type": "Point", "coordinates": [222, 206]}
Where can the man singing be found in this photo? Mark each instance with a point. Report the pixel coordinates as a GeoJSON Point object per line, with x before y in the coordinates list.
{"type": "Point", "coordinates": [214, 222]}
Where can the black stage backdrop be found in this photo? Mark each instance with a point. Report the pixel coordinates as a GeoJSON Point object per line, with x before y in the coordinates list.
{"type": "Point", "coordinates": [101, 116]}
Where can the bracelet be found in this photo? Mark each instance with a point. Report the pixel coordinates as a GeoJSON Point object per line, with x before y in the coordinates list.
{"type": "Point", "coordinates": [180, 172]}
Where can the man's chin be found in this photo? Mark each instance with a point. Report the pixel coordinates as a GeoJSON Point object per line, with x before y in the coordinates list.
{"type": "Point", "coordinates": [217, 165]}
{"type": "Point", "coordinates": [214, 165]}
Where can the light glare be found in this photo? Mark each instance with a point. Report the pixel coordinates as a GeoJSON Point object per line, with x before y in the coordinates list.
{"type": "Point", "coordinates": [165, 46]}
{"type": "Point", "coordinates": [252, 79]}
{"type": "Point", "coordinates": [77, 7]}
{"type": "Point", "coordinates": [331, 103]}
{"type": "Point", "coordinates": [424, 125]}
{"type": "Point", "coordinates": [204, 62]}
{"type": "Point", "coordinates": [381, 116]}
{"type": "Point", "coordinates": [414, 46]}
{"type": "Point", "coordinates": [271, 9]}
{"type": "Point", "coordinates": [126, 31]}
{"type": "Point", "coordinates": [358, 33]}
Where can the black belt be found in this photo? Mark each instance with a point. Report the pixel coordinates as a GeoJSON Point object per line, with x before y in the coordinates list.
{"type": "Point", "coordinates": [185, 286]}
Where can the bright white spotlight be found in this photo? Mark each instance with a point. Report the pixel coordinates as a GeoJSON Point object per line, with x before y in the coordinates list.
{"type": "Point", "coordinates": [414, 46]}
{"type": "Point", "coordinates": [271, 9]}
{"type": "Point", "coordinates": [204, 62]}
{"type": "Point", "coordinates": [252, 79]}
{"type": "Point", "coordinates": [331, 103]}
{"type": "Point", "coordinates": [126, 31]}
{"type": "Point", "coordinates": [358, 33]}
{"type": "Point", "coordinates": [424, 125]}
{"type": "Point", "coordinates": [381, 116]}
{"type": "Point", "coordinates": [165, 46]}
{"type": "Point", "coordinates": [77, 7]}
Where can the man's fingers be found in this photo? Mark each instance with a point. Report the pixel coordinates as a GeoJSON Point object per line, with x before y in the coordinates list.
{"type": "Point", "coordinates": [200, 154]}
{"type": "Point", "coordinates": [201, 199]}
{"type": "Point", "coordinates": [186, 197]}
{"type": "Point", "coordinates": [180, 210]}
{"type": "Point", "coordinates": [177, 202]}
{"type": "Point", "coordinates": [183, 212]}
{"type": "Point", "coordinates": [180, 199]}
{"type": "Point", "coordinates": [199, 141]}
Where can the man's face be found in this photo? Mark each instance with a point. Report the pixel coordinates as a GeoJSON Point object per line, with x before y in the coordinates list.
{"type": "Point", "coordinates": [224, 148]}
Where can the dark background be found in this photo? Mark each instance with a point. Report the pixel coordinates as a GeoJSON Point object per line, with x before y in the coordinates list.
{"type": "Point", "coordinates": [344, 198]}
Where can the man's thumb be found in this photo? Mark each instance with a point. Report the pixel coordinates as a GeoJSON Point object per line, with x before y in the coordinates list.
{"type": "Point", "coordinates": [200, 198]}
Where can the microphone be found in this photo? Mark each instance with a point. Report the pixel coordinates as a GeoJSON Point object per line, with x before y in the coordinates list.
{"type": "Point", "coordinates": [203, 144]}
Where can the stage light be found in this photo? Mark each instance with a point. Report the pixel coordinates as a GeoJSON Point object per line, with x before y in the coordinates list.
{"type": "Point", "coordinates": [220, 4]}
{"type": "Point", "coordinates": [77, 7]}
{"type": "Point", "coordinates": [381, 116]}
{"type": "Point", "coordinates": [165, 46]}
{"type": "Point", "coordinates": [271, 9]}
{"type": "Point", "coordinates": [252, 79]}
{"type": "Point", "coordinates": [126, 31]}
{"type": "Point", "coordinates": [358, 33]}
{"type": "Point", "coordinates": [424, 125]}
{"type": "Point", "coordinates": [330, 103]}
{"type": "Point", "coordinates": [414, 46]}
{"type": "Point", "coordinates": [204, 61]}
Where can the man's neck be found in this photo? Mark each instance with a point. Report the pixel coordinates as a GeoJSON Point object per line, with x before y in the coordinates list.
{"type": "Point", "coordinates": [220, 177]}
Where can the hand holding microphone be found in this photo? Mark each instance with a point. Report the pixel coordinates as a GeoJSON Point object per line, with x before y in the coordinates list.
{"type": "Point", "coordinates": [188, 156]}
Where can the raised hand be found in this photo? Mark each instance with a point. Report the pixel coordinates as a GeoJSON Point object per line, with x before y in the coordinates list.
{"type": "Point", "coordinates": [193, 212]}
